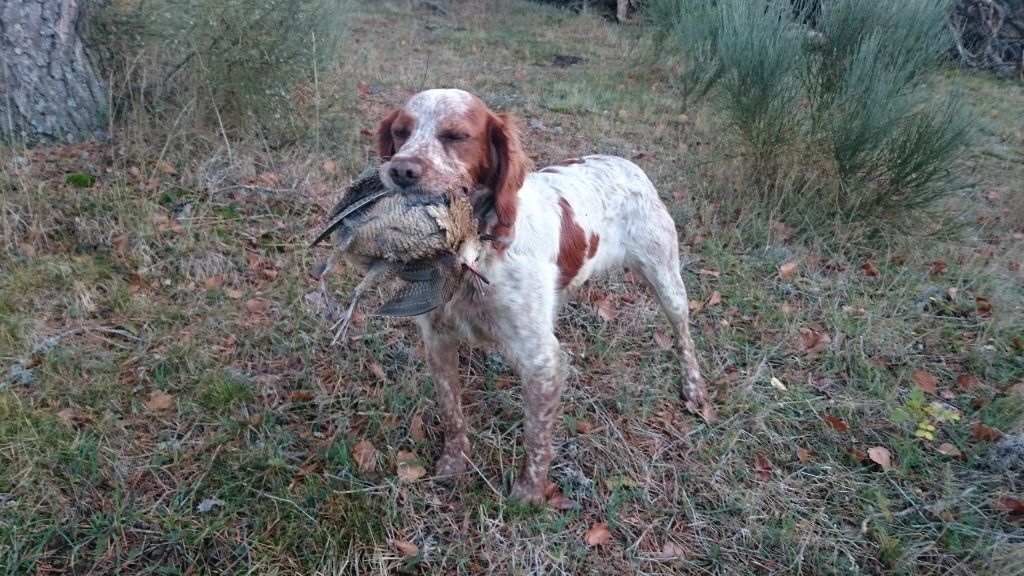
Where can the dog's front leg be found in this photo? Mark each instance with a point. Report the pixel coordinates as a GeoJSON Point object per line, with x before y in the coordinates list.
{"type": "Point", "coordinates": [539, 363]}
{"type": "Point", "coordinates": [443, 361]}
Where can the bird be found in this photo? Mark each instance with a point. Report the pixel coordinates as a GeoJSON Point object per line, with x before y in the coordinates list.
{"type": "Point", "coordinates": [425, 238]}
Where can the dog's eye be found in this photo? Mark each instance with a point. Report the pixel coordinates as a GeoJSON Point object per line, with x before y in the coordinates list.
{"type": "Point", "coordinates": [400, 133]}
{"type": "Point", "coordinates": [454, 137]}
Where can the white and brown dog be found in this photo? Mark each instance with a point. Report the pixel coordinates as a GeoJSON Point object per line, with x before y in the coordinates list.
{"type": "Point", "coordinates": [550, 230]}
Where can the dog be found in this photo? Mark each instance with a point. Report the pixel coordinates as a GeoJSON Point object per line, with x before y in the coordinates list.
{"type": "Point", "coordinates": [546, 233]}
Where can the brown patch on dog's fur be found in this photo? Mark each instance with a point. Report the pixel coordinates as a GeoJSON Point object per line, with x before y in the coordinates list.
{"type": "Point", "coordinates": [572, 245]}
{"type": "Point", "coordinates": [592, 245]}
{"type": "Point", "coordinates": [566, 162]}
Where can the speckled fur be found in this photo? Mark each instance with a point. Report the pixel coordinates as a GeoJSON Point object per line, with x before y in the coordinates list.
{"type": "Point", "coordinates": [616, 209]}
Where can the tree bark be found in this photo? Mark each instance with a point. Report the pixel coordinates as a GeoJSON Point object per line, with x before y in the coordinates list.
{"type": "Point", "coordinates": [49, 89]}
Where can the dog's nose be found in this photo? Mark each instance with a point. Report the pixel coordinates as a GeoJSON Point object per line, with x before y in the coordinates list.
{"type": "Point", "coordinates": [405, 171]}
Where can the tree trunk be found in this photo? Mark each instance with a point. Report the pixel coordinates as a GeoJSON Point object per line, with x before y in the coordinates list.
{"type": "Point", "coordinates": [49, 89]}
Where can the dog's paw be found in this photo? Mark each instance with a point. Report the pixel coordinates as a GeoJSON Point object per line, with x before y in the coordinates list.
{"type": "Point", "coordinates": [527, 492]}
{"type": "Point", "coordinates": [451, 463]}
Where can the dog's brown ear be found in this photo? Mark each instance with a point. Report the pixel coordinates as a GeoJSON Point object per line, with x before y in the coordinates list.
{"type": "Point", "coordinates": [509, 168]}
{"type": "Point", "coordinates": [386, 142]}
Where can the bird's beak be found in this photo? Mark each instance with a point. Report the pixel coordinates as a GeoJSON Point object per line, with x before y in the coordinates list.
{"type": "Point", "coordinates": [475, 272]}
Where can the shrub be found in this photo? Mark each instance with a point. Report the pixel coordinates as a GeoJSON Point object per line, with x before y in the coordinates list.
{"type": "Point", "coordinates": [840, 94]}
{"type": "Point", "coordinates": [240, 64]}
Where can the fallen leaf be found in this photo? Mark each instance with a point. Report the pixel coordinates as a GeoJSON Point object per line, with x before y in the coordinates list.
{"type": "Point", "coordinates": [408, 469]}
{"type": "Point", "coordinates": [256, 306]}
{"type": "Point", "coordinates": [706, 272]}
{"type": "Point", "coordinates": [407, 548]}
{"type": "Point", "coordinates": [938, 268]}
{"type": "Point", "coordinates": [696, 306]}
{"type": "Point", "coordinates": [949, 450]}
{"type": "Point", "coordinates": [869, 269]}
{"type": "Point", "coordinates": [778, 385]}
{"type": "Point", "coordinates": [559, 501]}
{"type": "Point", "coordinates": [987, 433]}
{"type": "Point", "coordinates": [365, 456]}
{"type": "Point", "coordinates": [836, 423]}
{"type": "Point", "coordinates": [208, 504]}
{"type": "Point", "coordinates": [120, 244]}
{"type": "Point", "coordinates": [233, 293]}
{"type": "Point", "coordinates": [812, 342]}
{"type": "Point", "coordinates": [300, 395]}
{"type": "Point", "coordinates": [803, 455]}
{"type": "Point", "coordinates": [672, 550]}
{"type": "Point", "coordinates": [159, 401]}
{"type": "Point", "coordinates": [598, 535]}
{"type": "Point", "coordinates": [715, 298]}
{"type": "Point", "coordinates": [984, 307]}
{"type": "Point", "coordinates": [330, 167]}
{"type": "Point", "coordinates": [74, 415]}
{"type": "Point", "coordinates": [763, 466]}
{"type": "Point", "coordinates": [881, 456]}
{"type": "Point", "coordinates": [267, 180]}
{"type": "Point", "coordinates": [925, 381]}
{"type": "Point", "coordinates": [854, 310]}
{"type": "Point", "coordinates": [212, 282]}
{"type": "Point", "coordinates": [787, 271]}
{"type": "Point", "coordinates": [605, 310]}
{"type": "Point", "coordinates": [947, 394]}
{"type": "Point", "coordinates": [787, 308]}
{"type": "Point", "coordinates": [584, 427]}
{"type": "Point", "coordinates": [28, 250]}
{"type": "Point", "coordinates": [416, 428]}
{"type": "Point", "coordinates": [966, 382]}
{"type": "Point", "coordinates": [662, 339]}
{"type": "Point", "coordinates": [378, 372]}
{"type": "Point", "coordinates": [165, 167]}
{"type": "Point", "coordinates": [1011, 505]}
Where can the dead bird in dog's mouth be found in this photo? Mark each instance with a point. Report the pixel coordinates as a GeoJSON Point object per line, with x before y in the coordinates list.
{"type": "Point", "coordinates": [426, 238]}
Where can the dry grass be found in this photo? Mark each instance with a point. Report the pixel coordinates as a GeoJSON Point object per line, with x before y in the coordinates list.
{"type": "Point", "coordinates": [156, 282]}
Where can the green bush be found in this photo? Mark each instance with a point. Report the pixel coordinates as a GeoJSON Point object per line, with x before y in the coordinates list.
{"type": "Point", "coordinates": [240, 64]}
{"type": "Point", "coordinates": [844, 100]}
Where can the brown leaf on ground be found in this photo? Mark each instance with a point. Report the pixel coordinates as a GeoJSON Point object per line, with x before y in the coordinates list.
{"type": "Point", "coordinates": [706, 272]}
{"type": "Point", "coordinates": [949, 450]}
{"type": "Point", "coordinates": [925, 381]}
{"type": "Point", "coordinates": [165, 167]}
{"type": "Point", "coordinates": [408, 469]}
{"type": "Point", "coordinates": [365, 456]}
{"type": "Point", "coordinates": [938, 268]}
{"type": "Point", "coordinates": [213, 282]}
{"type": "Point", "coordinates": [672, 550]}
{"type": "Point", "coordinates": [416, 428]}
{"type": "Point", "coordinates": [559, 501]}
{"type": "Point", "coordinates": [1012, 505]}
{"type": "Point", "coordinates": [300, 396]}
{"type": "Point", "coordinates": [330, 167]}
{"type": "Point", "coordinates": [836, 423]}
{"type": "Point", "coordinates": [407, 548]}
{"type": "Point", "coordinates": [696, 306]}
{"type": "Point", "coordinates": [986, 433]}
{"type": "Point", "coordinates": [74, 415]}
{"type": "Point", "coordinates": [120, 244]}
{"type": "Point", "coordinates": [966, 382]}
{"type": "Point", "coordinates": [378, 371]}
{"type": "Point", "coordinates": [598, 535]}
{"type": "Point", "coordinates": [763, 466]}
{"type": "Point", "coordinates": [787, 271]}
{"type": "Point", "coordinates": [662, 339]}
{"type": "Point", "coordinates": [812, 342]}
{"type": "Point", "coordinates": [233, 293]}
{"type": "Point", "coordinates": [804, 455]}
{"type": "Point", "coordinates": [869, 269]}
{"type": "Point", "coordinates": [983, 306]}
{"type": "Point", "coordinates": [881, 456]}
{"type": "Point", "coordinates": [256, 306]}
{"type": "Point", "coordinates": [715, 299]}
{"type": "Point", "coordinates": [605, 309]}
{"type": "Point", "coordinates": [159, 401]}
{"type": "Point", "coordinates": [584, 426]}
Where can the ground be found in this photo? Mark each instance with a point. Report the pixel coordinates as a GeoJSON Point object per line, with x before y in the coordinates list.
{"type": "Point", "coordinates": [171, 402]}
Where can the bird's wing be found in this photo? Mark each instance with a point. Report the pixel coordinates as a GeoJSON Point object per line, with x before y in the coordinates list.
{"type": "Point", "coordinates": [430, 283]}
{"type": "Point", "coordinates": [347, 211]}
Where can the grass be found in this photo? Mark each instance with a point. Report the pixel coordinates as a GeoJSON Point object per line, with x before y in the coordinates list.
{"type": "Point", "coordinates": [194, 283]}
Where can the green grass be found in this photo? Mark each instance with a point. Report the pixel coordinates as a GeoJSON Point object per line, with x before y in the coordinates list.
{"type": "Point", "coordinates": [144, 279]}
